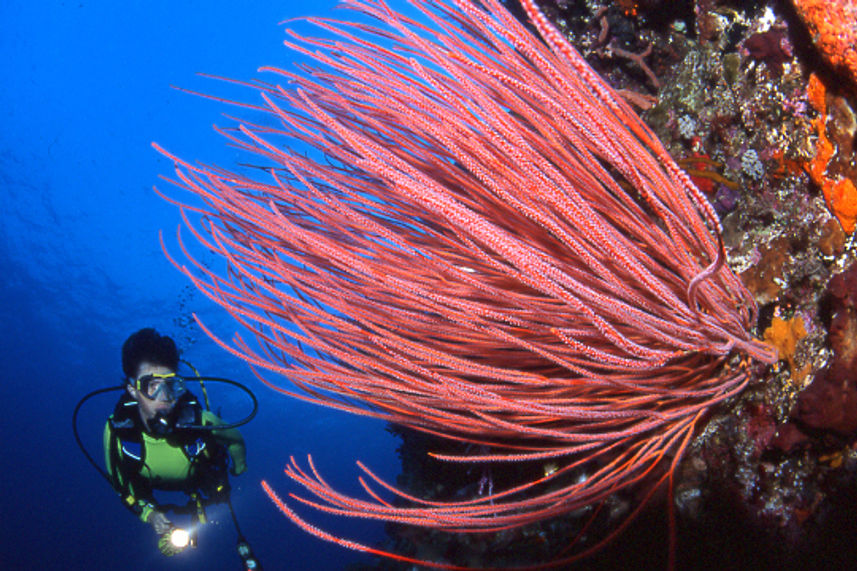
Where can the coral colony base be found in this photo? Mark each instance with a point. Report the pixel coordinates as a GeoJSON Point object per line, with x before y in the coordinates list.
{"type": "Point", "coordinates": [489, 247]}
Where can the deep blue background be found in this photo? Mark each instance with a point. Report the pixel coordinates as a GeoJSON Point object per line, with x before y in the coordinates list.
{"type": "Point", "coordinates": [85, 90]}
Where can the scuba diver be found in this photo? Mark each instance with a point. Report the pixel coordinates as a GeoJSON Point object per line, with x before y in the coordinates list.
{"type": "Point", "coordinates": [146, 448]}
{"type": "Point", "coordinates": [160, 437]}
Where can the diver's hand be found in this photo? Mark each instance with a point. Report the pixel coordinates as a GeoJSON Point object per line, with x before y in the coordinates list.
{"type": "Point", "coordinates": [167, 547]}
{"type": "Point", "coordinates": [159, 522]}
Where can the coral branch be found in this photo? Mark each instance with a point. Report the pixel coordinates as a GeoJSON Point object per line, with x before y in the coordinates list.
{"type": "Point", "coordinates": [488, 245]}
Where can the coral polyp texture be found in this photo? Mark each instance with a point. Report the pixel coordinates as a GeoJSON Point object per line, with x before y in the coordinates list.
{"type": "Point", "coordinates": [839, 192]}
{"type": "Point", "coordinates": [833, 26]}
{"type": "Point", "coordinates": [486, 245]}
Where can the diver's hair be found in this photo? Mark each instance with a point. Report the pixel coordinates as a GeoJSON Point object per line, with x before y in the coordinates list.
{"type": "Point", "coordinates": [149, 346]}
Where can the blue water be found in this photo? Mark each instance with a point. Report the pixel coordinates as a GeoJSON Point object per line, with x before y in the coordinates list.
{"type": "Point", "coordinates": [86, 89]}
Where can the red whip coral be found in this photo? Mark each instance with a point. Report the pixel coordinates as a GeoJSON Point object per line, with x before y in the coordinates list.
{"type": "Point", "coordinates": [490, 246]}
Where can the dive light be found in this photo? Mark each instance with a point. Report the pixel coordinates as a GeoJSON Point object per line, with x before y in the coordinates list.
{"type": "Point", "coordinates": [176, 540]}
{"type": "Point", "coordinates": [180, 538]}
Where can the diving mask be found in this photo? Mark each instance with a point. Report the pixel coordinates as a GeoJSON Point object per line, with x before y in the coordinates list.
{"type": "Point", "coordinates": [164, 388]}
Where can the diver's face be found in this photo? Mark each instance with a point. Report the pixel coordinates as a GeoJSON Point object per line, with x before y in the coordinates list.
{"type": "Point", "coordinates": [150, 407]}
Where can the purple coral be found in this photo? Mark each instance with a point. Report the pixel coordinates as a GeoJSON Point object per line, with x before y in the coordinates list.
{"type": "Point", "coordinates": [772, 47]}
